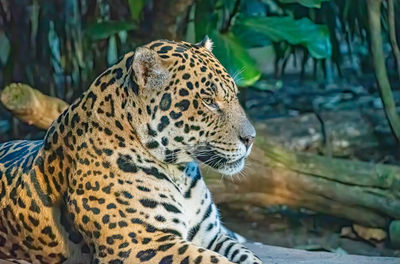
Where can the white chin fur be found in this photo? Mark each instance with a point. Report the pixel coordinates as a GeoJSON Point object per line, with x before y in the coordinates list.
{"type": "Point", "coordinates": [231, 169]}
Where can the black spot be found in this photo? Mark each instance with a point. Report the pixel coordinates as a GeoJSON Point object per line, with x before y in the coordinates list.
{"type": "Point", "coordinates": [179, 124]}
{"type": "Point", "coordinates": [146, 255]}
{"type": "Point", "coordinates": [166, 260]}
{"type": "Point", "coordinates": [143, 189]}
{"type": "Point", "coordinates": [186, 76]}
{"type": "Point", "coordinates": [183, 92]}
{"type": "Point", "coordinates": [183, 105]}
{"type": "Point", "coordinates": [189, 85]}
{"type": "Point", "coordinates": [49, 232]}
{"type": "Point", "coordinates": [164, 49]}
{"type": "Point", "coordinates": [126, 164]}
{"type": "Point", "coordinates": [34, 207]}
{"type": "Point", "coordinates": [175, 115]}
{"type": "Point", "coordinates": [155, 45]}
{"type": "Point", "coordinates": [195, 104]}
{"type": "Point", "coordinates": [182, 249]}
{"type": "Point", "coordinates": [160, 218]}
{"type": "Point", "coordinates": [164, 122]}
{"type": "Point", "coordinates": [148, 203]}
{"type": "Point", "coordinates": [133, 85]}
{"type": "Point", "coordinates": [164, 141]}
{"type": "Point", "coordinates": [170, 208]}
{"type": "Point", "coordinates": [108, 152]}
{"type": "Point", "coordinates": [105, 219]}
{"type": "Point", "coordinates": [185, 260]}
{"type": "Point", "coordinates": [128, 62]}
{"type": "Point", "coordinates": [111, 205]}
{"type": "Point", "coordinates": [55, 137]}
{"type": "Point", "coordinates": [165, 102]}
{"type": "Point", "coordinates": [152, 145]}
{"type": "Point", "coordinates": [117, 72]}
{"type": "Point", "coordinates": [178, 139]}
{"type": "Point", "coordinates": [118, 124]}
{"type": "Point", "coordinates": [151, 131]}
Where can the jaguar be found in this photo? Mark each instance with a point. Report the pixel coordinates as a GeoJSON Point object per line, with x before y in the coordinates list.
{"type": "Point", "coordinates": [116, 178]}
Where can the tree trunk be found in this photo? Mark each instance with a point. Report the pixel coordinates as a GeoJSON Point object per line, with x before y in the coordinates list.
{"type": "Point", "coordinates": [163, 18]}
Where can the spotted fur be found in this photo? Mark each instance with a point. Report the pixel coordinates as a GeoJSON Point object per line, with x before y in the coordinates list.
{"type": "Point", "coordinates": [115, 179]}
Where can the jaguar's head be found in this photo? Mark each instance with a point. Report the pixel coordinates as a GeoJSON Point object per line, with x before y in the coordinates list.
{"type": "Point", "coordinates": [187, 107]}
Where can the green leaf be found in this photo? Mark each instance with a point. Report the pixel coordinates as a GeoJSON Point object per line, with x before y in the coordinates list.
{"type": "Point", "coordinates": [306, 3]}
{"type": "Point", "coordinates": [296, 32]}
{"type": "Point", "coordinates": [231, 53]}
{"type": "Point", "coordinates": [251, 38]}
{"type": "Point", "coordinates": [4, 48]}
{"type": "Point", "coordinates": [136, 8]}
{"type": "Point", "coordinates": [105, 29]}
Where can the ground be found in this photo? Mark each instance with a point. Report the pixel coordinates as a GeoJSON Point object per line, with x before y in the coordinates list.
{"type": "Point", "coordinates": [278, 255]}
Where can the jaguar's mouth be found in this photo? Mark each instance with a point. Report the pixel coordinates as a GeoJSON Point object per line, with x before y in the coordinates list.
{"type": "Point", "coordinates": [215, 160]}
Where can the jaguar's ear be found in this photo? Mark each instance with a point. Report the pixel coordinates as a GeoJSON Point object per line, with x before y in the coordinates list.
{"type": "Point", "coordinates": [150, 70]}
{"type": "Point", "coordinates": [206, 43]}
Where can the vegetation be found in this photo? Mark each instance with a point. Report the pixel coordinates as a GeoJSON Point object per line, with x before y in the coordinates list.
{"type": "Point", "coordinates": [70, 42]}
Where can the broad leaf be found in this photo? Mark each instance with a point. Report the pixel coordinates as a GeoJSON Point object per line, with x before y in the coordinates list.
{"type": "Point", "coordinates": [296, 32]}
{"type": "Point", "coordinates": [251, 38]}
{"type": "Point", "coordinates": [231, 53]}
{"type": "Point", "coordinates": [106, 29]}
{"type": "Point", "coordinates": [306, 3]}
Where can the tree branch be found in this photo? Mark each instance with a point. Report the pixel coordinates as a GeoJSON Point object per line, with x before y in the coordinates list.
{"type": "Point", "coordinates": [378, 56]}
{"type": "Point", "coordinates": [392, 35]}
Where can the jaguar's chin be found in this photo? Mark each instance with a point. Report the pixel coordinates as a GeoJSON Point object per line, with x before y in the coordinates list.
{"type": "Point", "coordinates": [219, 163]}
{"type": "Point", "coordinates": [232, 168]}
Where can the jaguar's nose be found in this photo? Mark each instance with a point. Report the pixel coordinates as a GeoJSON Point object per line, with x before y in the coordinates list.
{"type": "Point", "coordinates": [247, 133]}
{"type": "Point", "coordinates": [247, 140]}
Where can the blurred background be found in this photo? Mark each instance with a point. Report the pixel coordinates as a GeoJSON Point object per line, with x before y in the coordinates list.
{"type": "Point", "coordinates": [319, 78]}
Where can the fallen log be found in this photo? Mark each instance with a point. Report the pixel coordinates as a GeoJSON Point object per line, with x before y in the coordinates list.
{"type": "Point", "coordinates": [31, 106]}
{"type": "Point", "coordinates": [367, 194]}
{"type": "Point", "coordinates": [350, 133]}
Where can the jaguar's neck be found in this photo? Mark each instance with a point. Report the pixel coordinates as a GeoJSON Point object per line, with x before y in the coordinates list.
{"type": "Point", "coordinates": [97, 127]}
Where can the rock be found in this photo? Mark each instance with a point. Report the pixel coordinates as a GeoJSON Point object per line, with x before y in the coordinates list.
{"type": "Point", "coordinates": [279, 255]}
{"type": "Point", "coordinates": [368, 233]}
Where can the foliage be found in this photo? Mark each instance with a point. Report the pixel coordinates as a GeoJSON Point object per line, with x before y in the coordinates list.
{"type": "Point", "coordinates": [72, 41]}
{"type": "Point", "coordinates": [239, 25]}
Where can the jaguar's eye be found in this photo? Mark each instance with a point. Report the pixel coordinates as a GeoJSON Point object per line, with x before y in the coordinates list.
{"type": "Point", "coordinates": [210, 103]}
